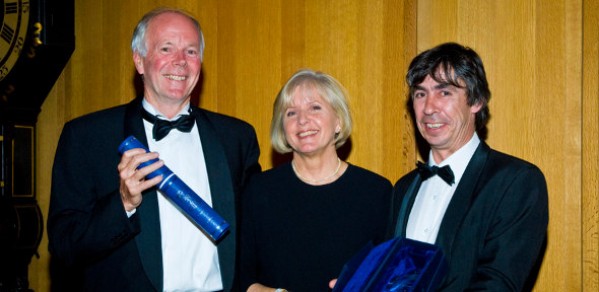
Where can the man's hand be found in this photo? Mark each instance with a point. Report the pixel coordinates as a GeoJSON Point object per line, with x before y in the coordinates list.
{"type": "Point", "coordinates": [133, 181]}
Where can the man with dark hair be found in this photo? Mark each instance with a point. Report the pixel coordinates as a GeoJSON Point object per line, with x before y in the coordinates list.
{"type": "Point", "coordinates": [486, 210]}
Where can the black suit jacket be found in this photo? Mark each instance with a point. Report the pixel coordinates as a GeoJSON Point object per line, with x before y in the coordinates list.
{"type": "Point", "coordinates": [92, 241]}
{"type": "Point", "coordinates": [495, 225]}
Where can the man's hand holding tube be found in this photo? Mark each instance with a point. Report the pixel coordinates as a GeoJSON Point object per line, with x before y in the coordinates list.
{"type": "Point", "coordinates": [133, 181]}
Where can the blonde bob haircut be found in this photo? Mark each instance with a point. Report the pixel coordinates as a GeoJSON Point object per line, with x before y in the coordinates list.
{"type": "Point", "coordinates": [328, 88]}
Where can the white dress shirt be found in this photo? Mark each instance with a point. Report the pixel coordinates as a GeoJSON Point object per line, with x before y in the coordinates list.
{"type": "Point", "coordinates": [435, 194]}
{"type": "Point", "coordinates": [190, 258]}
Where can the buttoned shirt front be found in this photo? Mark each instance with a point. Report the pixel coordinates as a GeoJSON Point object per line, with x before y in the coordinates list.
{"type": "Point", "coordinates": [190, 258]}
{"type": "Point", "coordinates": [435, 195]}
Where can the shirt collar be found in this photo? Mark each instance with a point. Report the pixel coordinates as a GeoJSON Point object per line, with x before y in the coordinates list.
{"type": "Point", "coordinates": [150, 109]}
{"type": "Point", "coordinates": [458, 161]}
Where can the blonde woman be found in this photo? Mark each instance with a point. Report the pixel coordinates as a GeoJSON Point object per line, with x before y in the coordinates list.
{"type": "Point", "coordinates": [302, 220]}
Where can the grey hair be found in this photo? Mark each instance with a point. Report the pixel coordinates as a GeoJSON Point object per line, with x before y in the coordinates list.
{"type": "Point", "coordinates": [138, 42]}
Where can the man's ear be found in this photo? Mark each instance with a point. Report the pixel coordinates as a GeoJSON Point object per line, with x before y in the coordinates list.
{"type": "Point", "coordinates": [138, 61]}
{"type": "Point", "coordinates": [475, 108]}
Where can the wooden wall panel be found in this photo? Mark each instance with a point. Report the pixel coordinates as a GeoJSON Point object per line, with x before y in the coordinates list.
{"type": "Point", "coordinates": [48, 130]}
{"type": "Point", "coordinates": [590, 147]}
{"type": "Point", "coordinates": [249, 64]}
{"type": "Point", "coordinates": [262, 43]}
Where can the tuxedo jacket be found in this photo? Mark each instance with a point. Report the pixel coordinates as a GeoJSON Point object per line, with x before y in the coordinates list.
{"type": "Point", "coordinates": [92, 241]}
{"type": "Point", "coordinates": [494, 227]}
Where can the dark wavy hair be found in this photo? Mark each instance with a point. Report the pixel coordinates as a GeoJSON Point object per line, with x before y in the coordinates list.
{"type": "Point", "coordinates": [454, 64]}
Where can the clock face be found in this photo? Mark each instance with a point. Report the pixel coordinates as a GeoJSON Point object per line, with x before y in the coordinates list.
{"type": "Point", "coordinates": [14, 20]}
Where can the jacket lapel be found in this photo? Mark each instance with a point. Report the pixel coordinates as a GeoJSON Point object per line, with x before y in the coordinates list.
{"type": "Point", "coordinates": [221, 189]}
{"type": "Point", "coordinates": [149, 243]}
{"type": "Point", "coordinates": [406, 204]}
{"type": "Point", "coordinates": [462, 199]}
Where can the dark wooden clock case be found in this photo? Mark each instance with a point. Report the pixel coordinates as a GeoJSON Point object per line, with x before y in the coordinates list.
{"type": "Point", "coordinates": [48, 46]}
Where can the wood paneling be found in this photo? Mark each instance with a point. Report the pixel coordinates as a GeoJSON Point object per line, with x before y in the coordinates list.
{"type": "Point", "coordinates": [540, 56]}
{"type": "Point", "coordinates": [590, 147]}
{"type": "Point", "coordinates": [366, 46]}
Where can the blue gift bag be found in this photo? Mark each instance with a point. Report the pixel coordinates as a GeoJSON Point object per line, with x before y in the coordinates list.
{"type": "Point", "coordinates": [399, 264]}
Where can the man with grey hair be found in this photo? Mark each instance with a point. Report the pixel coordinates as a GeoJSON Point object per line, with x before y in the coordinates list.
{"type": "Point", "coordinates": [108, 225]}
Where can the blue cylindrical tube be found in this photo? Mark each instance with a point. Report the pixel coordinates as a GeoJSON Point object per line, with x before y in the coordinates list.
{"type": "Point", "coordinates": [182, 195]}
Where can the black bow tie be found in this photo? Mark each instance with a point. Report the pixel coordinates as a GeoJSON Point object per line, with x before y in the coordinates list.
{"type": "Point", "coordinates": [162, 127]}
{"type": "Point", "coordinates": [427, 171]}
